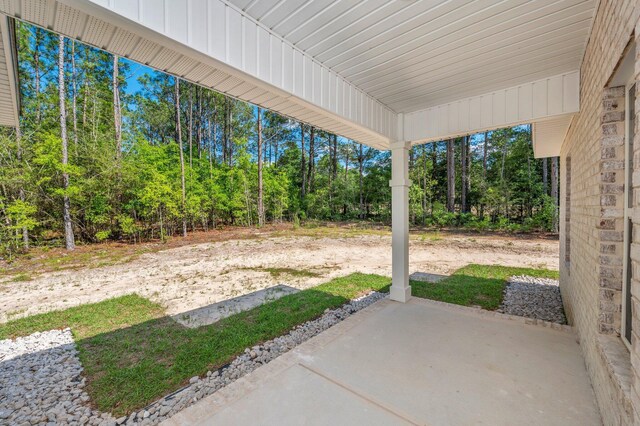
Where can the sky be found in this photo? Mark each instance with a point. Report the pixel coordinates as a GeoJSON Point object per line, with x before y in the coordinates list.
{"type": "Point", "coordinates": [136, 70]}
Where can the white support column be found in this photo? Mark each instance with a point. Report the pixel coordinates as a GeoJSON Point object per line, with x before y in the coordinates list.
{"type": "Point", "coordinates": [400, 183]}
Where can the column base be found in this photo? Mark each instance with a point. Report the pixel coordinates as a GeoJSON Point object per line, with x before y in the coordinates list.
{"type": "Point", "coordinates": [400, 294]}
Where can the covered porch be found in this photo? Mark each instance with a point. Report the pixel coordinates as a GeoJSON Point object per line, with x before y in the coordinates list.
{"type": "Point", "coordinates": [420, 363]}
{"type": "Point", "coordinates": [390, 75]}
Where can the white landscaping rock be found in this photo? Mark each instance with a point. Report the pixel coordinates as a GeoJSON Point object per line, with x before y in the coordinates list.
{"type": "Point", "coordinates": [40, 377]}
{"type": "Point", "coordinates": [532, 297]}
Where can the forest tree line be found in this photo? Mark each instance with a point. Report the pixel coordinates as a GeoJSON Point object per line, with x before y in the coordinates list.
{"type": "Point", "coordinates": [94, 161]}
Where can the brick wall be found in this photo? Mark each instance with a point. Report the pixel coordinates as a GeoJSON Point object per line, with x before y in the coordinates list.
{"type": "Point", "coordinates": [591, 281]}
{"type": "Point", "coordinates": [611, 223]}
{"type": "Point", "coordinates": [635, 244]}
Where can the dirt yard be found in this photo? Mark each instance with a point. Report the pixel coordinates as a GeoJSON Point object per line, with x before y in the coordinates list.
{"type": "Point", "coordinates": [202, 273]}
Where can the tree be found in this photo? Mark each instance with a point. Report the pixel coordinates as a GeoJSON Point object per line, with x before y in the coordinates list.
{"type": "Point", "coordinates": [74, 90]}
{"type": "Point", "coordinates": [545, 175]}
{"type": "Point", "coordinates": [451, 177]}
{"type": "Point", "coordinates": [117, 110]}
{"type": "Point", "coordinates": [465, 176]}
{"type": "Point", "coordinates": [66, 203]}
{"type": "Point", "coordinates": [179, 137]}
{"type": "Point", "coordinates": [261, 216]}
{"type": "Point", "coordinates": [554, 190]}
{"type": "Point", "coordinates": [38, 37]}
{"type": "Point", "coordinates": [126, 178]}
{"type": "Point", "coordinates": [302, 163]}
{"type": "Point", "coordinates": [360, 180]}
{"type": "Point", "coordinates": [312, 155]}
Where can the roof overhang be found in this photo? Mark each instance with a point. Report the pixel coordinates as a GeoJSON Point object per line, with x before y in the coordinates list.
{"type": "Point", "coordinates": [548, 135]}
{"type": "Point", "coordinates": [548, 104]}
{"type": "Point", "coordinates": [350, 67]}
{"type": "Point", "coordinates": [9, 88]}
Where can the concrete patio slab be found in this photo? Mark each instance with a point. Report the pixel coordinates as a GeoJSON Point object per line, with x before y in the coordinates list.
{"type": "Point", "coordinates": [423, 363]}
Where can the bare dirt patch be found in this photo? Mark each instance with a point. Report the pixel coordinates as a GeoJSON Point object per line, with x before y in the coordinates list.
{"type": "Point", "coordinates": [209, 268]}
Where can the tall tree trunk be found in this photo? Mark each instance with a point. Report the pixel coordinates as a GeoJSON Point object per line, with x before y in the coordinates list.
{"type": "Point", "coordinates": [502, 178]}
{"type": "Point", "coordinates": [554, 189]}
{"type": "Point", "coordinates": [210, 146]}
{"type": "Point", "coordinates": [484, 156]}
{"type": "Point", "coordinates": [434, 166]}
{"type": "Point", "coordinates": [190, 130]}
{"type": "Point", "coordinates": [303, 165]}
{"type": "Point", "coordinates": [360, 174]}
{"type": "Point", "coordinates": [230, 138]}
{"type": "Point", "coordinates": [335, 157]}
{"type": "Point", "coordinates": [117, 112]}
{"type": "Point", "coordinates": [214, 137]}
{"type": "Point", "coordinates": [200, 129]}
{"type": "Point", "coordinates": [346, 174]}
{"type": "Point", "coordinates": [179, 136]}
{"type": "Point", "coordinates": [424, 185]}
{"type": "Point", "coordinates": [469, 164]}
{"type": "Point", "coordinates": [463, 170]}
{"type": "Point", "coordinates": [25, 231]}
{"type": "Point", "coordinates": [312, 154]}
{"type": "Point", "coordinates": [94, 116]}
{"type": "Point", "coordinates": [451, 177]}
{"type": "Point", "coordinates": [225, 131]}
{"type": "Point", "coordinates": [36, 64]}
{"type": "Point", "coordinates": [261, 216]}
{"type": "Point", "coordinates": [66, 202]}
{"type": "Point", "coordinates": [485, 149]}
{"type": "Point", "coordinates": [545, 176]}
{"type": "Point", "coordinates": [74, 87]}
{"type": "Point", "coordinates": [529, 207]}
{"type": "Point", "coordinates": [85, 92]}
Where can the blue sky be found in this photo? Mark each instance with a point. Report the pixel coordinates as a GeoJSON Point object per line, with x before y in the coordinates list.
{"type": "Point", "coordinates": [135, 71]}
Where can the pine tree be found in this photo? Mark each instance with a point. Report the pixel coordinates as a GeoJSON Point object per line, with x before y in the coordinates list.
{"type": "Point", "coordinates": [66, 202]}
{"type": "Point", "coordinates": [183, 211]}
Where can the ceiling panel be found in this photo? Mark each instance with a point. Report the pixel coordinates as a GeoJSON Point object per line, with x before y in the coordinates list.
{"type": "Point", "coordinates": [415, 54]}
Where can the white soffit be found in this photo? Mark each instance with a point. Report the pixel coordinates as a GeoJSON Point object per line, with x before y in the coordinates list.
{"type": "Point", "coordinates": [9, 100]}
{"type": "Point", "coordinates": [548, 136]}
{"type": "Point", "coordinates": [213, 44]}
{"type": "Point", "coordinates": [526, 103]}
{"type": "Point", "coordinates": [415, 54]}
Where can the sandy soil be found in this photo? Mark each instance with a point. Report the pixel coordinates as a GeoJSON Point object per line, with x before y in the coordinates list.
{"type": "Point", "coordinates": [199, 275]}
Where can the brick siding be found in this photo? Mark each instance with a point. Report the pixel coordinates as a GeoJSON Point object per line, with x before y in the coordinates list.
{"type": "Point", "coordinates": [591, 282]}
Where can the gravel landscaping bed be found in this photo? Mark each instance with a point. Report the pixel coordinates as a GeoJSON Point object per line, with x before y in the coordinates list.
{"type": "Point", "coordinates": [531, 297]}
{"type": "Point", "coordinates": [42, 383]}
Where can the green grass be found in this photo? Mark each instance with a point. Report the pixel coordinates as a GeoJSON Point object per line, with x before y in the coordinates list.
{"type": "Point", "coordinates": [279, 272]}
{"type": "Point", "coordinates": [21, 278]}
{"type": "Point", "coordinates": [475, 285]}
{"type": "Point", "coordinates": [133, 354]}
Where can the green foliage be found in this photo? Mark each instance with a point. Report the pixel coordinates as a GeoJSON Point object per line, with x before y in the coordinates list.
{"type": "Point", "coordinates": [135, 192]}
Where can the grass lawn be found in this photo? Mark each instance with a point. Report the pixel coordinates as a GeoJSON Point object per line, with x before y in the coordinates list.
{"type": "Point", "coordinates": [475, 285]}
{"type": "Point", "coordinates": [133, 354]}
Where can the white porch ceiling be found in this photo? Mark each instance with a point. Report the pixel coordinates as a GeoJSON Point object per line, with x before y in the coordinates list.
{"type": "Point", "coordinates": [371, 70]}
{"type": "Point", "coordinates": [412, 55]}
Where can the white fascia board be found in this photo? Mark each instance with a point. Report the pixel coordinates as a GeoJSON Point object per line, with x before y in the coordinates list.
{"type": "Point", "coordinates": [526, 103]}
{"type": "Point", "coordinates": [10, 94]}
{"type": "Point", "coordinates": [216, 33]}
